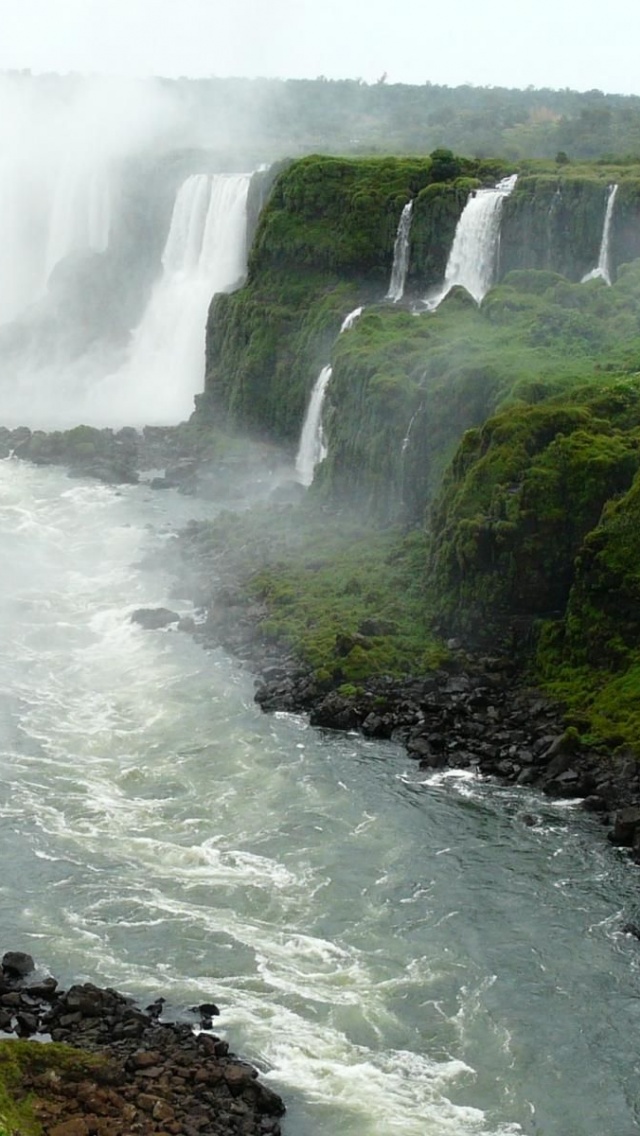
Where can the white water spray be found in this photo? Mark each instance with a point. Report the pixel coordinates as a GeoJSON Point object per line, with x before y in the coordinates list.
{"type": "Point", "coordinates": [473, 258]}
{"type": "Point", "coordinates": [205, 253]}
{"type": "Point", "coordinates": [400, 256]}
{"type": "Point", "coordinates": [312, 448]}
{"type": "Point", "coordinates": [62, 146]}
{"type": "Point", "coordinates": [603, 269]}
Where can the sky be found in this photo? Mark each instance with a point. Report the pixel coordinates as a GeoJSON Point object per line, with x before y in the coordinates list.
{"type": "Point", "coordinates": [583, 44]}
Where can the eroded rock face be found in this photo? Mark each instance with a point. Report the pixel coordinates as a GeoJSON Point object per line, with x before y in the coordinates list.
{"type": "Point", "coordinates": [152, 1077]}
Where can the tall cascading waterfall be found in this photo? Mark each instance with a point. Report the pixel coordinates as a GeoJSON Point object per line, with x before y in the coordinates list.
{"type": "Point", "coordinates": [63, 144]}
{"type": "Point", "coordinates": [312, 449]}
{"type": "Point", "coordinates": [603, 269]}
{"type": "Point", "coordinates": [473, 258]}
{"type": "Point", "coordinates": [400, 255]}
{"type": "Point", "coordinates": [205, 253]}
{"type": "Point", "coordinates": [80, 214]}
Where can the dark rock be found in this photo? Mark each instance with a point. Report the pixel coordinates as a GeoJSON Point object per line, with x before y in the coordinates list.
{"type": "Point", "coordinates": [626, 826]}
{"type": "Point", "coordinates": [154, 618]}
{"type": "Point", "coordinates": [26, 1024]}
{"type": "Point", "coordinates": [18, 963]}
{"type": "Point", "coordinates": [631, 929]}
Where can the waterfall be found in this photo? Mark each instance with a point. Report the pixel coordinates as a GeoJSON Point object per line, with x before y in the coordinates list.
{"type": "Point", "coordinates": [400, 256]}
{"type": "Point", "coordinates": [80, 214]}
{"type": "Point", "coordinates": [349, 320]}
{"type": "Point", "coordinates": [603, 269]}
{"type": "Point", "coordinates": [473, 258]}
{"type": "Point", "coordinates": [205, 253]}
{"type": "Point", "coordinates": [312, 449]}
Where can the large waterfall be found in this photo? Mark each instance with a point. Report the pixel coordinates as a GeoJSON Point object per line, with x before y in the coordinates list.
{"type": "Point", "coordinates": [603, 269]}
{"type": "Point", "coordinates": [473, 258]}
{"type": "Point", "coordinates": [312, 449]}
{"type": "Point", "coordinates": [149, 375]}
{"type": "Point", "coordinates": [205, 253]}
{"type": "Point", "coordinates": [63, 144]}
{"type": "Point", "coordinates": [400, 255]}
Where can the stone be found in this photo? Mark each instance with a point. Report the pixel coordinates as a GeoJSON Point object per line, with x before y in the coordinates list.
{"type": "Point", "coordinates": [154, 618]}
{"type": "Point", "coordinates": [18, 963]}
{"type": "Point", "coordinates": [626, 826]}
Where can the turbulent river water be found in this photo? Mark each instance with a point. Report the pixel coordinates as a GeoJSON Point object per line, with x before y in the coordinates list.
{"type": "Point", "coordinates": [400, 955]}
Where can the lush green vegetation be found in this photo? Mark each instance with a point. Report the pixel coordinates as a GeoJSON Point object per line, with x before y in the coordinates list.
{"type": "Point", "coordinates": [405, 388]}
{"type": "Point", "coordinates": [591, 658]}
{"type": "Point", "coordinates": [324, 245]}
{"type": "Point", "coordinates": [347, 600]}
{"type": "Point", "coordinates": [512, 428]}
{"type": "Point", "coordinates": [20, 1060]}
{"type": "Point", "coordinates": [350, 116]}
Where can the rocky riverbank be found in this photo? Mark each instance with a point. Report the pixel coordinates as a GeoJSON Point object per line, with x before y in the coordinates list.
{"type": "Point", "coordinates": [135, 1072]}
{"type": "Point", "coordinates": [473, 712]}
{"type": "Point", "coordinates": [172, 457]}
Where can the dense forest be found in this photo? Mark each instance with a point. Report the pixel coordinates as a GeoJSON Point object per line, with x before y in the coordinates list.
{"type": "Point", "coordinates": [272, 117]}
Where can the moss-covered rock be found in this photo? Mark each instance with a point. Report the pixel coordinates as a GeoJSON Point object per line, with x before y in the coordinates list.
{"type": "Point", "coordinates": [324, 245]}
{"type": "Point", "coordinates": [24, 1062]}
{"type": "Point", "coordinates": [521, 496]}
{"type": "Point", "coordinates": [591, 657]}
{"type": "Point", "coordinates": [556, 223]}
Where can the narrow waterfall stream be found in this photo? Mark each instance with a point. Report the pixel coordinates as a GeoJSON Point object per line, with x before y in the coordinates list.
{"type": "Point", "coordinates": [473, 256]}
{"type": "Point", "coordinates": [400, 952]}
{"type": "Point", "coordinates": [602, 271]}
{"type": "Point", "coordinates": [401, 248]}
{"type": "Point", "coordinates": [311, 447]}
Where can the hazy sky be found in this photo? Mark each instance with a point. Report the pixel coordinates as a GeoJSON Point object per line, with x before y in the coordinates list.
{"type": "Point", "coordinates": [558, 43]}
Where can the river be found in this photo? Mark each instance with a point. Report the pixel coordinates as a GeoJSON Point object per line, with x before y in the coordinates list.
{"type": "Point", "coordinates": [399, 954]}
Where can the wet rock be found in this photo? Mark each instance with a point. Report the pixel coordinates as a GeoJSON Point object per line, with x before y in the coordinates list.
{"type": "Point", "coordinates": [626, 827]}
{"type": "Point", "coordinates": [154, 618]}
{"type": "Point", "coordinates": [163, 1080]}
{"type": "Point", "coordinates": [18, 963]}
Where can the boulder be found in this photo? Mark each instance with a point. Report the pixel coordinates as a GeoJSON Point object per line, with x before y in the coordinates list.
{"type": "Point", "coordinates": [154, 618]}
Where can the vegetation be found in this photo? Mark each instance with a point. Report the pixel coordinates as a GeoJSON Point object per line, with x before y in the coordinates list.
{"type": "Point", "coordinates": [512, 429]}
{"type": "Point", "coordinates": [351, 116]}
{"type": "Point", "coordinates": [24, 1061]}
{"type": "Point", "coordinates": [346, 600]}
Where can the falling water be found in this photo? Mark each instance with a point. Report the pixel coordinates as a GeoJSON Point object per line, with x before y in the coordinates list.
{"type": "Point", "coordinates": [400, 256]}
{"type": "Point", "coordinates": [349, 320]}
{"type": "Point", "coordinates": [603, 270]}
{"type": "Point", "coordinates": [63, 147]}
{"type": "Point", "coordinates": [205, 253]}
{"type": "Point", "coordinates": [80, 214]}
{"type": "Point", "coordinates": [312, 449]}
{"type": "Point", "coordinates": [474, 253]}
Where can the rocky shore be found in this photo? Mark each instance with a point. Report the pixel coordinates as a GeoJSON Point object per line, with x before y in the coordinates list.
{"type": "Point", "coordinates": [136, 1073]}
{"type": "Point", "coordinates": [477, 712]}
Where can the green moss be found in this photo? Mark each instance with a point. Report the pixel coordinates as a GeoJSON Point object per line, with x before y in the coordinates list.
{"type": "Point", "coordinates": [345, 598]}
{"type": "Point", "coordinates": [22, 1059]}
{"type": "Point", "coordinates": [521, 496]}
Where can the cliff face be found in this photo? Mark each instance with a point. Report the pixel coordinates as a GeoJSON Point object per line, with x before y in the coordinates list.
{"type": "Point", "coordinates": [512, 428]}
{"type": "Point", "coordinates": [555, 223]}
{"type": "Point", "coordinates": [404, 388]}
{"type": "Point", "coordinates": [323, 245]}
